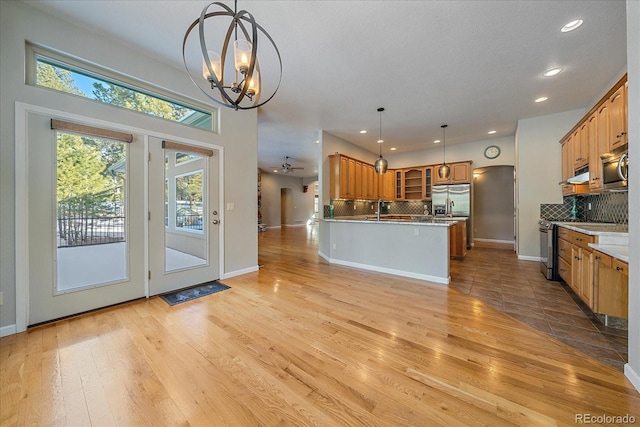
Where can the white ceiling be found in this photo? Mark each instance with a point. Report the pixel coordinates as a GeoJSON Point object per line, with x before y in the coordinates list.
{"type": "Point", "coordinates": [475, 65]}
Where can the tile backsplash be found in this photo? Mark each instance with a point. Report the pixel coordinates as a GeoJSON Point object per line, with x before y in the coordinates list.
{"type": "Point", "coordinates": [604, 207]}
{"type": "Point", "coordinates": [355, 208]}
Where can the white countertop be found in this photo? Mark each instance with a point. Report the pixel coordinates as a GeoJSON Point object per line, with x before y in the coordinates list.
{"type": "Point", "coordinates": [620, 252]}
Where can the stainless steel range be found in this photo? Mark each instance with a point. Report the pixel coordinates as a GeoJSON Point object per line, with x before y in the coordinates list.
{"type": "Point", "coordinates": [549, 246]}
{"type": "Point", "coordinates": [548, 251]}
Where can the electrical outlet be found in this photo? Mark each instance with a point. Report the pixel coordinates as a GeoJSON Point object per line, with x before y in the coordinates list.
{"type": "Point", "coordinates": [589, 206]}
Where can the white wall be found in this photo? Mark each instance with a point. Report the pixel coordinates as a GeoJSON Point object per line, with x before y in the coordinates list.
{"type": "Point", "coordinates": [302, 202]}
{"type": "Point", "coordinates": [20, 22]}
{"type": "Point", "coordinates": [538, 171]}
{"type": "Point", "coordinates": [632, 369]}
{"type": "Point", "coordinates": [473, 151]}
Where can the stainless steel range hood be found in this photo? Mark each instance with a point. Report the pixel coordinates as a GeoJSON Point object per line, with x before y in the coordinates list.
{"type": "Point", "coordinates": [580, 178]}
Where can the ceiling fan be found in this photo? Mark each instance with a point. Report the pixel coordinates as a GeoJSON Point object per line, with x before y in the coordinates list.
{"type": "Point", "coordinates": [286, 166]}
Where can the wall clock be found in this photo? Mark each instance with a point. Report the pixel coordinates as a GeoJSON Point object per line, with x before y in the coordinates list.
{"type": "Point", "coordinates": [491, 152]}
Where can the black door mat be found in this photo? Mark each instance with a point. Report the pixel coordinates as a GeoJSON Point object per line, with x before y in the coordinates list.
{"type": "Point", "coordinates": [176, 297]}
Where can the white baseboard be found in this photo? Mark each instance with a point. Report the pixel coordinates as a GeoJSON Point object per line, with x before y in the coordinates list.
{"type": "Point", "coordinates": [240, 272]}
{"type": "Point", "coordinates": [632, 376]}
{"type": "Point", "coordinates": [402, 273]}
{"type": "Point", "coordinates": [7, 330]}
{"type": "Point", "coordinates": [507, 242]}
{"type": "Point", "coordinates": [528, 258]}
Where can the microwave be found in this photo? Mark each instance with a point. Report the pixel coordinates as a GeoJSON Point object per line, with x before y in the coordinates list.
{"type": "Point", "coordinates": [615, 171]}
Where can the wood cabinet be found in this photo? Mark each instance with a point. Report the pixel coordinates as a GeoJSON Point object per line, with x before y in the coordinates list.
{"type": "Point", "coordinates": [387, 185]}
{"type": "Point", "coordinates": [580, 142]}
{"type": "Point", "coordinates": [399, 185]}
{"type": "Point", "coordinates": [618, 117]}
{"type": "Point", "coordinates": [413, 179]}
{"type": "Point", "coordinates": [601, 130]}
{"type": "Point", "coordinates": [427, 191]}
{"type": "Point", "coordinates": [458, 240]}
{"type": "Point", "coordinates": [345, 177]}
{"type": "Point", "coordinates": [460, 174]}
{"type": "Point", "coordinates": [575, 262]}
{"type": "Point", "coordinates": [568, 170]}
{"type": "Point", "coordinates": [354, 179]}
{"type": "Point", "coordinates": [610, 286]}
{"type": "Point", "coordinates": [598, 145]}
{"type": "Point", "coordinates": [600, 280]}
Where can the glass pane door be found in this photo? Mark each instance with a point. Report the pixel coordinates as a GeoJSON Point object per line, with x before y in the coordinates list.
{"type": "Point", "coordinates": [91, 206]}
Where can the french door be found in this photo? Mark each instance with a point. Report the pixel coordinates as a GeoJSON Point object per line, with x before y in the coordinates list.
{"type": "Point", "coordinates": [101, 226]}
{"type": "Point", "coordinates": [85, 219]}
{"type": "Point", "coordinates": [183, 215]}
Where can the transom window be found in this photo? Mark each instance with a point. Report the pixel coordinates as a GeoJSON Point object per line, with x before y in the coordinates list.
{"type": "Point", "coordinates": [54, 73]}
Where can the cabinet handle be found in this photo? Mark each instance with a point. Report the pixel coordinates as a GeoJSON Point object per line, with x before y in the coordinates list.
{"type": "Point", "coordinates": [597, 257]}
{"type": "Point", "coordinates": [619, 269]}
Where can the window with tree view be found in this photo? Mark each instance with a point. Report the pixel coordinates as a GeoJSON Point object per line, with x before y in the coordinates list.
{"type": "Point", "coordinates": [65, 78]}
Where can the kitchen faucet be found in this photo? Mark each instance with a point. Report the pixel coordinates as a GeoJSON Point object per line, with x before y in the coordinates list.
{"type": "Point", "coordinates": [450, 206]}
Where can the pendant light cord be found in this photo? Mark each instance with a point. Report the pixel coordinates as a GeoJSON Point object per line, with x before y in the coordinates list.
{"type": "Point", "coordinates": [444, 146]}
{"type": "Point", "coordinates": [380, 110]}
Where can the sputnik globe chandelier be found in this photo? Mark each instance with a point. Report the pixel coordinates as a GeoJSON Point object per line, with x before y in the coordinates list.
{"type": "Point", "coordinates": [244, 90]}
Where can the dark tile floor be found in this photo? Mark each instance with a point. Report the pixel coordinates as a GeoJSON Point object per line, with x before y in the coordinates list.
{"type": "Point", "coordinates": [518, 288]}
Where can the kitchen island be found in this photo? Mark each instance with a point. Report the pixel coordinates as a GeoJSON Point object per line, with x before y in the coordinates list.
{"type": "Point", "coordinates": [402, 246]}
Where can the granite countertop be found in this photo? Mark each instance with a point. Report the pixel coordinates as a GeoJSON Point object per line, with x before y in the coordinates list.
{"type": "Point", "coordinates": [596, 228]}
{"type": "Point", "coordinates": [399, 219]}
{"type": "Point", "coordinates": [620, 252]}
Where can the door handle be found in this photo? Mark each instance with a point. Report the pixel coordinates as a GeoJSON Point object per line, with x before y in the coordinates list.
{"type": "Point", "coordinates": [215, 221]}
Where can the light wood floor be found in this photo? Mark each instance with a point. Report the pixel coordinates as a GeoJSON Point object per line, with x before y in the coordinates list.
{"type": "Point", "coordinates": [303, 343]}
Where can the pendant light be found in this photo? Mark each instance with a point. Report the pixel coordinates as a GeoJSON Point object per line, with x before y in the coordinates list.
{"type": "Point", "coordinates": [444, 170]}
{"type": "Point", "coordinates": [239, 87]}
{"type": "Point", "coordinates": [381, 164]}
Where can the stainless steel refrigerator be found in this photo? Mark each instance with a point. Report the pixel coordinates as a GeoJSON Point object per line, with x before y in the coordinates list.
{"type": "Point", "coordinates": [456, 199]}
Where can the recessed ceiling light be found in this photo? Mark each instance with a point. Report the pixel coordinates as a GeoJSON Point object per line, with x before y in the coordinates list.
{"type": "Point", "coordinates": [553, 72]}
{"type": "Point", "coordinates": [380, 141]}
{"type": "Point", "coordinates": [317, 141]}
{"type": "Point", "coordinates": [392, 148]}
{"type": "Point", "coordinates": [363, 131]}
{"type": "Point", "coordinates": [570, 26]}
{"type": "Point", "coordinates": [491, 132]}
{"type": "Point", "coordinates": [275, 170]}
{"type": "Point", "coordinates": [436, 141]}
{"type": "Point", "coordinates": [542, 99]}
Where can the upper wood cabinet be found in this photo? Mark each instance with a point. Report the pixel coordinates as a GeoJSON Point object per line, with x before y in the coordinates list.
{"type": "Point", "coordinates": [618, 117]}
{"type": "Point", "coordinates": [413, 179]}
{"type": "Point", "coordinates": [427, 183]}
{"type": "Point", "coordinates": [460, 174]}
{"type": "Point", "coordinates": [387, 185]}
{"type": "Point", "coordinates": [353, 179]}
{"type": "Point", "coordinates": [581, 146]}
{"type": "Point", "coordinates": [595, 163]}
{"type": "Point", "coordinates": [601, 130]}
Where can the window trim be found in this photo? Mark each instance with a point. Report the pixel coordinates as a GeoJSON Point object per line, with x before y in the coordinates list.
{"type": "Point", "coordinates": [32, 51]}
